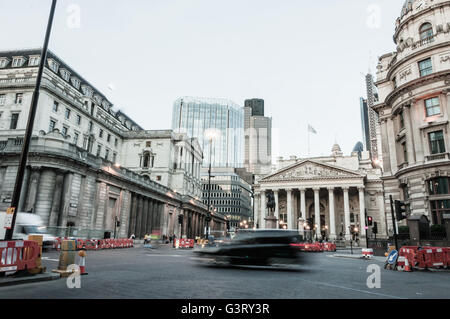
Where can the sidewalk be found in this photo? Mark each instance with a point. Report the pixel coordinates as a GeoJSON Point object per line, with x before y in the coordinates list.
{"type": "Point", "coordinates": [11, 281]}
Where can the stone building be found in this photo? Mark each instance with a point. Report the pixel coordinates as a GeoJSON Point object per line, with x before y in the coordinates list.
{"type": "Point", "coordinates": [414, 86]}
{"type": "Point", "coordinates": [76, 174]}
{"type": "Point", "coordinates": [171, 159]}
{"type": "Point", "coordinates": [334, 192]}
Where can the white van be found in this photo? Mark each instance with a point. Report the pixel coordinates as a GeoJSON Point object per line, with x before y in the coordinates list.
{"type": "Point", "coordinates": [27, 224]}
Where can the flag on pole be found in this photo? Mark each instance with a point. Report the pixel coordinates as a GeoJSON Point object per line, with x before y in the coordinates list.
{"type": "Point", "coordinates": [311, 129]}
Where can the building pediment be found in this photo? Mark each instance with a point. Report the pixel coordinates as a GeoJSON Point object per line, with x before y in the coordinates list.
{"type": "Point", "coordinates": [311, 170]}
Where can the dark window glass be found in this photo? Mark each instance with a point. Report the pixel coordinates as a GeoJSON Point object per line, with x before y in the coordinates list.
{"type": "Point", "coordinates": [51, 126]}
{"type": "Point", "coordinates": [426, 31]}
{"type": "Point", "coordinates": [14, 120]}
{"type": "Point", "coordinates": [437, 143]}
{"type": "Point", "coordinates": [67, 114]}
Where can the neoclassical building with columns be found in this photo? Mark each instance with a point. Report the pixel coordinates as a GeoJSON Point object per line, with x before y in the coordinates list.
{"type": "Point", "coordinates": [333, 192]}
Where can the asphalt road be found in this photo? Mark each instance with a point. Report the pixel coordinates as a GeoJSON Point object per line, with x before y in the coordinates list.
{"type": "Point", "coordinates": [171, 274]}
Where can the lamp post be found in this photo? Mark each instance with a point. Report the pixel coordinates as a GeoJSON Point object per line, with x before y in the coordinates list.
{"type": "Point", "coordinates": [210, 134]}
{"type": "Point", "coordinates": [29, 130]}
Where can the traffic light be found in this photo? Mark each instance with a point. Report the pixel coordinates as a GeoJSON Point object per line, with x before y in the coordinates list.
{"type": "Point", "coordinates": [180, 219]}
{"type": "Point", "coordinates": [228, 225]}
{"type": "Point", "coordinates": [369, 221]}
{"type": "Point", "coordinates": [400, 208]}
{"type": "Point", "coordinates": [375, 228]}
{"type": "Point", "coordinates": [208, 218]}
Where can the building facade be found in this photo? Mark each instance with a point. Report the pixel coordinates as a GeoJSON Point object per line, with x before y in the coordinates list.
{"type": "Point", "coordinates": [334, 193]}
{"type": "Point", "coordinates": [229, 194]}
{"type": "Point", "coordinates": [258, 138]}
{"type": "Point", "coordinates": [171, 159]}
{"type": "Point", "coordinates": [414, 84]}
{"type": "Point", "coordinates": [75, 175]}
{"type": "Point", "coordinates": [195, 116]}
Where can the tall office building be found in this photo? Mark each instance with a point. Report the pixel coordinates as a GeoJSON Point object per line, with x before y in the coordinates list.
{"type": "Point", "coordinates": [194, 116]}
{"type": "Point", "coordinates": [365, 124]}
{"type": "Point", "coordinates": [258, 138]}
{"type": "Point", "coordinates": [373, 120]}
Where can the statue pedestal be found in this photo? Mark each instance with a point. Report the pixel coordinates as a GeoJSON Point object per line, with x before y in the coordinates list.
{"type": "Point", "coordinates": [271, 222]}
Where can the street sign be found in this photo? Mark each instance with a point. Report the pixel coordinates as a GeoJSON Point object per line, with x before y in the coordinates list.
{"type": "Point", "coordinates": [392, 258]}
{"type": "Point", "coordinates": [9, 217]}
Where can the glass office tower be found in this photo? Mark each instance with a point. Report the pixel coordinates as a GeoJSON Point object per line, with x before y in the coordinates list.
{"type": "Point", "coordinates": [194, 116]}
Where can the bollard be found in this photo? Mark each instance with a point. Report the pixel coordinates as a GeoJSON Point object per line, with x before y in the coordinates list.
{"type": "Point", "coordinates": [82, 263]}
{"type": "Point", "coordinates": [66, 257]}
{"type": "Point", "coordinates": [39, 269]}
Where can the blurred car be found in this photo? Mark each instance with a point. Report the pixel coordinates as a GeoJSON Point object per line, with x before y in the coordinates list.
{"type": "Point", "coordinates": [255, 247]}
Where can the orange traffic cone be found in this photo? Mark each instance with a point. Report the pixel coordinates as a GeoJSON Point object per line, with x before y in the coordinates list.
{"type": "Point", "coordinates": [82, 263]}
{"type": "Point", "coordinates": [407, 266]}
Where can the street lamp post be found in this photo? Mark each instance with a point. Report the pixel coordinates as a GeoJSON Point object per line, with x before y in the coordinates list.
{"type": "Point", "coordinates": [29, 130]}
{"type": "Point", "coordinates": [211, 134]}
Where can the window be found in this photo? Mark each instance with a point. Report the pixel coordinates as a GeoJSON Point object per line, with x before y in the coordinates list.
{"type": "Point", "coordinates": [405, 152]}
{"type": "Point", "coordinates": [67, 115]}
{"type": "Point", "coordinates": [3, 63]}
{"type": "Point", "coordinates": [75, 138]}
{"type": "Point", "coordinates": [432, 106]}
{"type": "Point", "coordinates": [114, 157]}
{"type": "Point", "coordinates": [99, 150]}
{"type": "Point", "coordinates": [438, 209]}
{"type": "Point", "coordinates": [108, 138]}
{"type": "Point", "coordinates": [401, 120]}
{"type": "Point", "coordinates": [437, 143]}
{"type": "Point", "coordinates": [18, 62]}
{"type": "Point", "coordinates": [92, 108]}
{"type": "Point", "coordinates": [78, 119]}
{"type": "Point", "coordinates": [91, 126]}
{"type": "Point", "coordinates": [52, 125]}
{"type": "Point", "coordinates": [19, 98]}
{"type": "Point", "coordinates": [14, 120]}
{"type": "Point", "coordinates": [85, 140]}
{"type": "Point", "coordinates": [34, 61]}
{"type": "Point", "coordinates": [2, 99]}
{"type": "Point", "coordinates": [55, 106]}
{"type": "Point", "coordinates": [158, 178]}
{"type": "Point", "coordinates": [148, 144]}
{"type": "Point", "coordinates": [100, 133]}
{"type": "Point", "coordinates": [65, 74]}
{"type": "Point", "coordinates": [106, 154]}
{"type": "Point", "coordinates": [426, 32]}
{"type": "Point", "coordinates": [54, 66]}
{"type": "Point", "coordinates": [425, 67]}
{"type": "Point", "coordinates": [64, 131]}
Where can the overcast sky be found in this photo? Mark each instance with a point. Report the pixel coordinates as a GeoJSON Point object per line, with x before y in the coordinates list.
{"type": "Point", "coordinates": [306, 59]}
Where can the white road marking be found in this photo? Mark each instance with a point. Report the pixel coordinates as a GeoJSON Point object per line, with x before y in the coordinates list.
{"type": "Point", "coordinates": [157, 255]}
{"type": "Point", "coordinates": [49, 259]}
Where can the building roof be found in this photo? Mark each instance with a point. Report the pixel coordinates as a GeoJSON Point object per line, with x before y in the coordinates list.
{"type": "Point", "coordinates": [50, 55]}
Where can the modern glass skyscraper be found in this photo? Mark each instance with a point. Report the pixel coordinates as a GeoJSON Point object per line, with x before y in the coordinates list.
{"type": "Point", "coordinates": [193, 116]}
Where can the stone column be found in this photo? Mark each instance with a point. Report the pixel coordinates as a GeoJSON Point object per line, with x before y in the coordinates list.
{"type": "Point", "coordinates": [144, 216]}
{"type": "Point", "coordinates": [317, 210]}
{"type": "Point", "coordinates": [409, 136]}
{"type": "Point", "coordinates": [256, 202]}
{"type": "Point", "coordinates": [332, 214]}
{"type": "Point", "coordinates": [262, 224]}
{"type": "Point", "coordinates": [302, 204]}
{"type": "Point", "coordinates": [362, 213]}
{"type": "Point", "coordinates": [32, 190]}
{"type": "Point", "coordinates": [290, 212]}
{"type": "Point", "coordinates": [44, 196]}
{"type": "Point", "coordinates": [347, 214]}
{"type": "Point", "coordinates": [277, 202]}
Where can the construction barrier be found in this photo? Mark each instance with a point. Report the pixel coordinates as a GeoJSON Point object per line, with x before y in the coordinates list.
{"type": "Point", "coordinates": [367, 253]}
{"type": "Point", "coordinates": [431, 257]}
{"type": "Point", "coordinates": [447, 257]}
{"type": "Point", "coordinates": [184, 243]}
{"type": "Point", "coordinates": [329, 247]}
{"type": "Point", "coordinates": [97, 244]}
{"type": "Point", "coordinates": [18, 255]}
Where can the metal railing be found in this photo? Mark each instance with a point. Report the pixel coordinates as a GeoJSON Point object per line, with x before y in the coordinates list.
{"type": "Point", "coordinates": [437, 157]}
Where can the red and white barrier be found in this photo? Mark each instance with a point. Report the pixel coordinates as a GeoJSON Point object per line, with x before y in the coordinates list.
{"type": "Point", "coordinates": [367, 253]}
{"type": "Point", "coordinates": [18, 255]}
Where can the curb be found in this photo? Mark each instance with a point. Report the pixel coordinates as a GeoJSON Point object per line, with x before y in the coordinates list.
{"type": "Point", "coordinates": [4, 282]}
{"type": "Point", "coordinates": [349, 256]}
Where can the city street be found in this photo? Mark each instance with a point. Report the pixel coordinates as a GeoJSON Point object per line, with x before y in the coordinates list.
{"type": "Point", "coordinates": [171, 274]}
